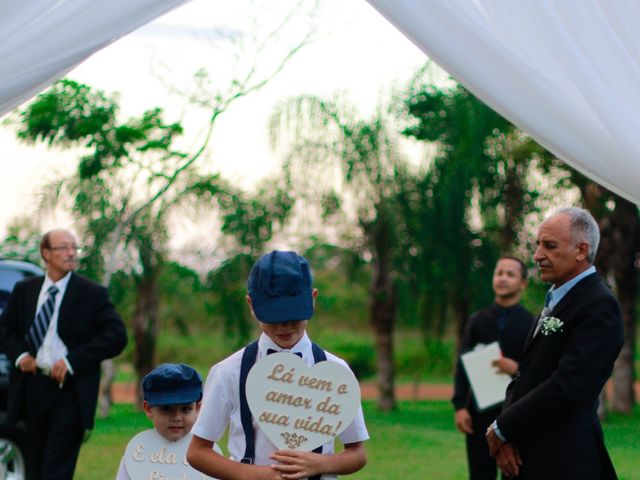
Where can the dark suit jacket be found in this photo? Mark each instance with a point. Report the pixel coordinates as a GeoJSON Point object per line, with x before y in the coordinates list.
{"type": "Point", "coordinates": [482, 327]}
{"type": "Point", "coordinates": [87, 324]}
{"type": "Point", "coordinates": [550, 412]}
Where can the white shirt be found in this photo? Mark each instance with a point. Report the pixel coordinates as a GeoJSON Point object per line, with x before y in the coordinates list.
{"type": "Point", "coordinates": [52, 348]}
{"type": "Point", "coordinates": [221, 406]}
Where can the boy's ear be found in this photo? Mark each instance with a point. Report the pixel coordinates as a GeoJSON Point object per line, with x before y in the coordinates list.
{"type": "Point", "coordinates": [198, 403]}
{"type": "Point", "coordinates": [253, 314]}
{"type": "Point", "coordinates": [147, 409]}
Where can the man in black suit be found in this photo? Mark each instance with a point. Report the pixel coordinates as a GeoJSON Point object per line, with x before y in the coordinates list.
{"type": "Point", "coordinates": [59, 328]}
{"type": "Point", "coordinates": [508, 323]}
{"type": "Point", "coordinates": [549, 426]}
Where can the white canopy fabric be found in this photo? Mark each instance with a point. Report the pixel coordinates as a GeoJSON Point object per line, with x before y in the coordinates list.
{"type": "Point", "coordinates": [566, 72]}
{"type": "Point", "coordinates": [41, 40]}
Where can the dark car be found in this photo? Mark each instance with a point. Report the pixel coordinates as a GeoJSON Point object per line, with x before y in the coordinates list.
{"type": "Point", "coordinates": [12, 439]}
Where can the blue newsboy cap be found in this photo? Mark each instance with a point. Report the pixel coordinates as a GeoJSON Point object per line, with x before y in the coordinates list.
{"type": "Point", "coordinates": [280, 287]}
{"type": "Point", "coordinates": [172, 384]}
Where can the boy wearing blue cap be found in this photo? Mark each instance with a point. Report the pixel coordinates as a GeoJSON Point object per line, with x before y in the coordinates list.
{"type": "Point", "coordinates": [172, 397]}
{"type": "Point", "coordinates": [281, 298]}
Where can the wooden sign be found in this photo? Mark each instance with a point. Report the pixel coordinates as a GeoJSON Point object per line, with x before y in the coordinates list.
{"type": "Point", "coordinates": [300, 407]}
{"type": "Point", "coordinates": [150, 456]}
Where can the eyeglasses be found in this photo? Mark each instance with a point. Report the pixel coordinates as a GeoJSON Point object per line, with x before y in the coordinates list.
{"type": "Point", "coordinates": [64, 248]}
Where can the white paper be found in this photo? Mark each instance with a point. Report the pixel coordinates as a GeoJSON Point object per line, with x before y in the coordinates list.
{"type": "Point", "coordinates": [489, 387]}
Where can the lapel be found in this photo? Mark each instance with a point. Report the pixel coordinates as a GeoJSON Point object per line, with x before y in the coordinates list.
{"type": "Point", "coordinates": [563, 305]}
{"type": "Point", "coordinates": [70, 295]}
{"type": "Point", "coordinates": [33, 292]}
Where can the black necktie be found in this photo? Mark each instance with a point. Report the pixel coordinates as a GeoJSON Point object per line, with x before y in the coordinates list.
{"type": "Point", "coordinates": [502, 319]}
{"type": "Point", "coordinates": [38, 330]}
{"type": "Point", "coordinates": [271, 350]}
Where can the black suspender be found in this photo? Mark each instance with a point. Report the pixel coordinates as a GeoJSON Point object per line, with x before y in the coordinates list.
{"type": "Point", "coordinates": [248, 359]}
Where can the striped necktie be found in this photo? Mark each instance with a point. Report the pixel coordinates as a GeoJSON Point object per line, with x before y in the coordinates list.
{"type": "Point", "coordinates": [545, 313]}
{"type": "Point", "coordinates": [38, 330]}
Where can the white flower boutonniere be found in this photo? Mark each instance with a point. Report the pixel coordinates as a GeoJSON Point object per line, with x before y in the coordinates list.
{"type": "Point", "coordinates": [551, 325]}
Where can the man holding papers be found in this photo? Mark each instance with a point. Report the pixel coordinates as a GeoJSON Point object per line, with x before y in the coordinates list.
{"type": "Point", "coordinates": [505, 322]}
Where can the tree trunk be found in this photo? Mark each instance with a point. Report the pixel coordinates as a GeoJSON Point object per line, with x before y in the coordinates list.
{"type": "Point", "coordinates": [461, 317]}
{"type": "Point", "coordinates": [382, 315]}
{"type": "Point", "coordinates": [145, 328]}
{"type": "Point", "coordinates": [513, 200]}
{"type": "Point", "coordinates": [616, 259]}
{"type": "Point", "coordinates": [108, 373]}
{"type": "Point", "coordinates": [626, 234]}
{"type": "Point", "coordinates": [108, 367]}
{"type": "Point", "coordinates": [382, 312]}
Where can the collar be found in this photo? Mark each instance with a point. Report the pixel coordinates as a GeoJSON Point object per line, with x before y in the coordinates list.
{"type": "Point", "coordinates": [61, 284]}
{"type": "Point", "coordinates": [264, 343]}
{"type": "Point", "coordinates": [557, 294]}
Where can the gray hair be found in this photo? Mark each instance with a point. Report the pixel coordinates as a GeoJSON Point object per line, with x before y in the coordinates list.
{"type": "Point", "coordinates": [584, 228]}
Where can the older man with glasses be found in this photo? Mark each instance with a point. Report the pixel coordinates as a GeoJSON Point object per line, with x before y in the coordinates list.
{"type": "Point", "coordinates": [59, 328]}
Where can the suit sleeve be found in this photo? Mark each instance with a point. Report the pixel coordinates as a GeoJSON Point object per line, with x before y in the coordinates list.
{"type": "Point", "coordinates": [582, 371]}
{"type": "Point", "coordinates": [460, 381]}
{"type": "Point", "coordinates": [13, 342]}
{"type": "Point", "coordinates": [108, 338]}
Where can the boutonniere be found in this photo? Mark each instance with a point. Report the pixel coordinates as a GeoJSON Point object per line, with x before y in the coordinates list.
{"type": "Point", "coordinates": [551, 325]}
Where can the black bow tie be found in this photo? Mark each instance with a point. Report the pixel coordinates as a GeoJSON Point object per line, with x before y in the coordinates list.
{"type": "Point", "coordinates": [271, 350]}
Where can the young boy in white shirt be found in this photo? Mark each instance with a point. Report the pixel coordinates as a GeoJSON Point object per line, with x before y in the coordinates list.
{"type": "Point", "coordinates": [172, 397]}
{"type": "Point", "coordinates": [281, 299]}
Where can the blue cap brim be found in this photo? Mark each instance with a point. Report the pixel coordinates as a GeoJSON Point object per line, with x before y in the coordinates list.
{"type": "Point", "coordinates": [270, 309]}
{"type": "Point", "coordinates": [184, 396]}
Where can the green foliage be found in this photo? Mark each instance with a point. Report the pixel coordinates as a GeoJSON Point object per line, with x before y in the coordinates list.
{"type": "Point", "coordinates": [74, 114]}
{"type": "Point", "coordinates": [470, 206]}
{"type": "Point", "coordinates": [228, 283]}
{"type": "Point", "coordinates": [22, 242]}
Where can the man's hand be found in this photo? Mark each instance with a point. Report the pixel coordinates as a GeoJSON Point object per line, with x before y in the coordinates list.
{"type": "Point", "coordinates": [294, 464]}
{"type": "Point", "coordinates": [463, 421]}
{"type": "Point", "coordinates": [494, 441]}
{"type": "Point", "coordinates": [508, 460]}
{"type": "Point", "coordinates": [506, 365]}
{"type": "Point", "coordinates": [27, 364]}
{"type": "Point", "coordinates": [59, 371]}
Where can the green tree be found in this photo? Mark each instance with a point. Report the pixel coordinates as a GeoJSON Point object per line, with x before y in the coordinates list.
{"type": "Point", "coordinates": [131, 176]}
{"type": "Point", "coordinates": [336, 159]}
{"type": "Point", "coordinates": [471, 203]}
{"type": "Point", "coordinates": [250, 221]}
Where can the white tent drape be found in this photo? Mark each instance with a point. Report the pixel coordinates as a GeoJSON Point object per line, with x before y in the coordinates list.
{"type": "Point", "coordinates": [566, 72]}
{"type": "Point", "coordinates": [41, 40]}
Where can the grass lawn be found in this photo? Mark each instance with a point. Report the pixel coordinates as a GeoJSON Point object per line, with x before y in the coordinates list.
{"type": "Point", "coordinates": [416, 442]}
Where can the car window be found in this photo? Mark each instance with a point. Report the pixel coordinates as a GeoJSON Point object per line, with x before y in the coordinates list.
{"type": "Point", "coordinates": [8, 278]}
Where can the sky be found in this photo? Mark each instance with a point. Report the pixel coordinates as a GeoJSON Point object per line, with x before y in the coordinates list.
{"type": "Point", "coordinates": [358, 53]}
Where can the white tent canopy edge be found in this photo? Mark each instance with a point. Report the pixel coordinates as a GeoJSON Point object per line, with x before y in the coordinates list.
{"type": "Point", "coordinates": [567, 73]}
{"type": "Point", "coordinates": [42, 40]}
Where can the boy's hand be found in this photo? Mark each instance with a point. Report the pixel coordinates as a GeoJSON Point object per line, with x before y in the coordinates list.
{"type": "Point", "coordinates": [294, 464]}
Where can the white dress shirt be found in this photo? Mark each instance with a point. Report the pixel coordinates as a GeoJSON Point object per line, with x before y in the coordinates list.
{"type": "Point", "coordinates": [221, 406]}
{"type": "Point", "coordinates": [52, 348]}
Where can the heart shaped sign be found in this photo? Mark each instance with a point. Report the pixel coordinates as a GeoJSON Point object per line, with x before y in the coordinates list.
{"type": "Point", "coordinates": [151, 456]}
{"type": "Point", "coordinates": [300, 407]}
